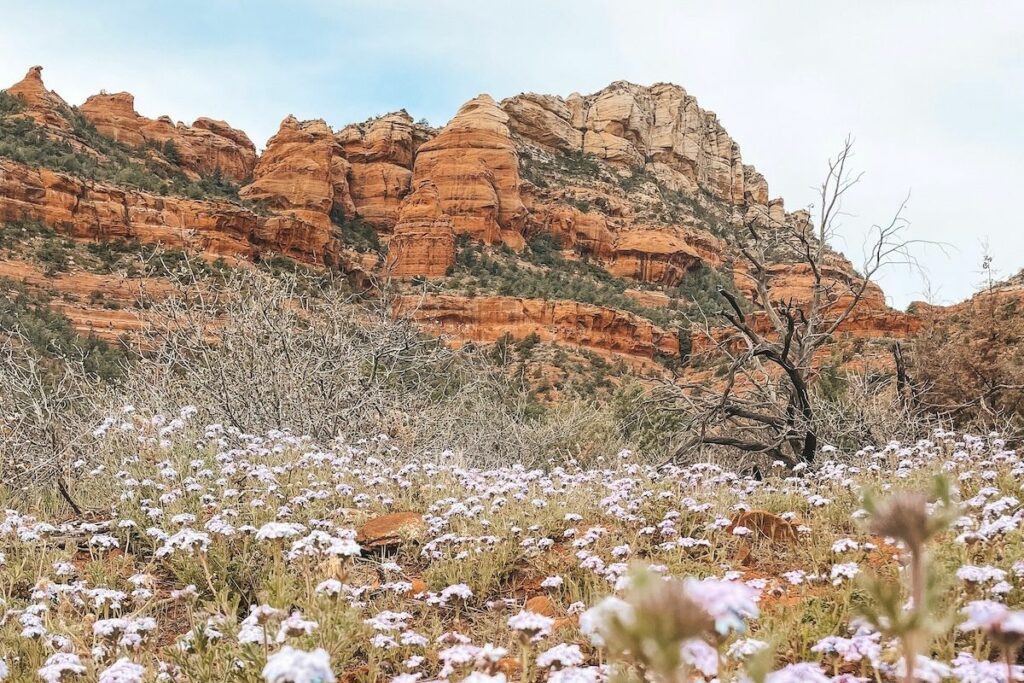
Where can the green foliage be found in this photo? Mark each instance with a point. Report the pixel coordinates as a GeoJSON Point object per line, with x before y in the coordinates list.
{"type": "Point", "coordinates": [559, 278]}
{"type": "Point", "coordinates": [574, 164]}
{"type": "Point", "coordinates": [112, 254]}
{"type": "Point", "coordinates": [357, 233]}
{"type": "Point", "coordinates": [831, 382]}
{"type": "Point", "coordinates": [51, 337]}
{"type": "Point", "coordinates": [699, 291]}
{"type": "Point", "coordinates": [170, 152]}
{"type": "Point", "coordinates": [55, 254]}
{"type": "Point", "coordinates": [153, 170]}
{"type": "Point", "coordinates": [9, 104]}
{"type": "Point", "coordinates": [13, 233]}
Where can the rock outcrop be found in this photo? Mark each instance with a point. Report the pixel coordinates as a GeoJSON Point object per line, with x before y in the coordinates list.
{"type": "Point", "coordinates": [381, 153]}
{"type": "Point", "coordinates": [638, 180]}
{"type": "Point", "coordinates": [660, 127]}
{"type": "Point", "coordinates": [100, 211]}
{"type": "Point", "coordinates": [424, 240]}
{"type": "Point", "coordinates": [43, 106]}
{"type": "Point", "coordinates": [486, 319]}
{"type": "Point", "coordinates": [657, 256]}
{"type": "Point", "coordinates": [473, 164]}
{"type": "Point", "coordinates": [205, 148]}
{"type": "Point", "coordinates": [303, 173]}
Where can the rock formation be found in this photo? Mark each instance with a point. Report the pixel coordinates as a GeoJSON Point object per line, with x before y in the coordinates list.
{"type": "Point", "coordinates": [41, 105]}
{"type": "Point", "coordinates": [204, 148]}
{"type": "Point", "coordinates": [100, 211]}
{"type": "Point", "coordinates": [303, 173]}
{"type": "Point", "coordinates": [629, 125]}
{"type": "Point", "coordinates": [485, 319]}
{"type": "Point", "coordinates": [424, 241]}
{"type": "Point", "coordinates": [474, 166]}
{"type": "Point", "coordinates": [381, 153]}
{"type": "Point", "coordinates": [640, 181]}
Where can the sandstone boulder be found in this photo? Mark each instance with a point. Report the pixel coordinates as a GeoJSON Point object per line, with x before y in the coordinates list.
{"type": "Point", "coordinates": [392, 529]}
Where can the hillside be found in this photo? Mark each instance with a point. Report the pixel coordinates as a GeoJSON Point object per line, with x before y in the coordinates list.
{"type": "Point", "coordinates": [554, 393]}
{"type": "Point", "coordinates": [594, 222]}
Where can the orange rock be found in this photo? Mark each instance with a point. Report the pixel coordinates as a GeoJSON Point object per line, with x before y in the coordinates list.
{"type": "Point", "coordinates": [424, 242]}
{"type": "Point", "coordinates": [765, 525]}
{"type": "Point", "coordinates": [391, 529]}
{"type": "Point", "coordinates": [587, 232]}
{"type": "Point", "coordinates": [508, 666]}
{"type": "Point", "coordinates": [571, 621]}
{"type": "Point", "coordinates": [303, 173]}
{"type": "Point", "coordinates": [99, 211]}
{"type": "Point", "coordinates": [541, 604]}
{"type": "Point", "coordinates": [648, 298]}
{"type": "Point", "coordinates": [543, 119]}
{"type": "Point", "coordinates": [474, 166]}
{"type": "Point", "coordinates": [658, 126]}
{"type": "Point", "coordinates": [653, 256]}
{"type": "Point", "coordinates": [381, 153]}
{"type": "Point", "coordinates": [488, 318]}
{"type": "Point", "coordinates": [204, 148]}
{"type": "Point", "coordinates": [41, 105]}
{"type": "Point", "coordinates": [418, 586]}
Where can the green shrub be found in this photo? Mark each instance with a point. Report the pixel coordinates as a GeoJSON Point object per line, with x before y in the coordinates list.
{"type": "Point", "coordinates": [51, 337]}
{"type": "Point", "coordinates": [357, 233]}
{"type": "Point", "coordinates": [25, 142]}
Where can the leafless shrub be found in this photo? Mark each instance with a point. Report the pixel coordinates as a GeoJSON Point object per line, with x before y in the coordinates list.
{"type": "Point", "coordinates": [46, 414]}
{"type": "Point", "coordinates": [257, 352]}
{"type": "Point", "coordinates": [764, 404]}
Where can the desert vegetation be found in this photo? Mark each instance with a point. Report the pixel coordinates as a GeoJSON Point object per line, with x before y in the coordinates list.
{"type": "Point", "coordinates": [88, 154]}
{"type": "Point", "coordinates": [291, 485]}
{"type": "Point", "coordinates": [203, 551]}
{"type": "Point", "coordinates": [737, 465]}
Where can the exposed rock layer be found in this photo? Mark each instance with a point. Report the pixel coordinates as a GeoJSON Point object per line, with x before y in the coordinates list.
{"type": "Point", "coordinates": [100, 211]}
{"type": "Point", "coordinates": [486, 319]}
{"type": "Point", "coordinates": [204, 148]}
{"type": "Point", "coordinates": [421, 188]}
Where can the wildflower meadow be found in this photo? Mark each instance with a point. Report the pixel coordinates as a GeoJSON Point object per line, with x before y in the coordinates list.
{"type": "Point", "coordinates": [208, 554]}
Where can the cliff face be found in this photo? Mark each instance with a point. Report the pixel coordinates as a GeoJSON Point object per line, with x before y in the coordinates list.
{"type": "Point", "coordinates": [381, 154]}
{"type": "Point", "coordinates": [619, 199]}
{"type": "Point", "coordinates": [204, 148]}
{"type": "Point", "coordinates": [486, 319]}
{"type": "Point", "coordinates": [98, 211]}
{"type": "Point", "coordinates": [629, 125]}
{"type": "Point", "coordinates": [474, 166]}
{"type": "Point", "coordinates": [303, 174]}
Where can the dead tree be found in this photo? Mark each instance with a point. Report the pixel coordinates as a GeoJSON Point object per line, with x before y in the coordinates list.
{"type": "Point", "coordinates": [764, 403]}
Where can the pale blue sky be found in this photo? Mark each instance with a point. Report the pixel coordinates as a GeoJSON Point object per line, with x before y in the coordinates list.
{"type": "Point", "coordinates": [932, 90]}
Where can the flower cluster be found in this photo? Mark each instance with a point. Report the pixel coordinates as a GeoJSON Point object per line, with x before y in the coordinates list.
{"type": "Point", "coordinates": [272, 557]}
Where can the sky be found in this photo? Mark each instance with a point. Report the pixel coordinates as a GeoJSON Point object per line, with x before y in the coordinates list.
{"type": "Point", "coordinates": [932, 91]}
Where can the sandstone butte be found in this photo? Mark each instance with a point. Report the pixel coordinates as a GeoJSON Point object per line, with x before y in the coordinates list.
{"type": "Point", "coordinates": [204, 148]}
{"type": "Point", "coordinates": [422, 189]}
